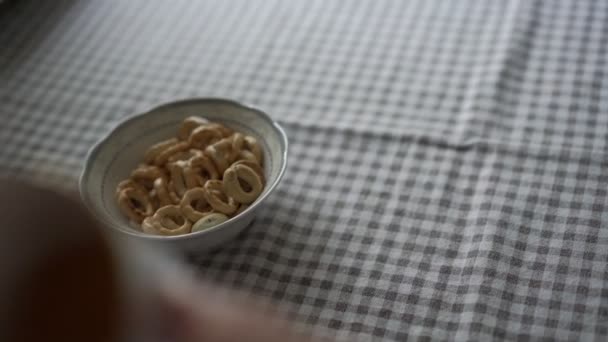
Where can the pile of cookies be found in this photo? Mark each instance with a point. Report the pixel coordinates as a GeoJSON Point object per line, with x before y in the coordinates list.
{"type": "Point", "coordinates": [201, 178]}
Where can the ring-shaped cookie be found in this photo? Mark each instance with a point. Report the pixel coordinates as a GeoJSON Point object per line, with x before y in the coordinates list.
{"type": "Point", "coordinates": [165, 197]}
{"type": "Point", "coordinates": [167, 220]}
{"type": "Point", "coordinates": [237, 142]}
{"type": "Point", "coordinates": [232, 183]}
{"type": "Point", "coordinates": [220, 154]}
{"type": "Point", "coordinates": [209, 221]}
{"type": "Point", "coordinates": [128, 183]}
{"type": "Point", "coordinates": [185, 155]}
{"type": "Point", "coordinates": [254, 166]}
{"type": "Point", "coordinates": [162, 158]}
{"type": "Point", "coordinates": [193, 178]}
{"type": "Point", "coordinates": [188, 125]}
{"type": "Point", "coordinates": [172, 220]}
{"type": "Point", "coordinates": [146, 175]}
{"type": "Point", "coordinates": [156, 149]}
{"type": "Point", "coordinates": [241, 208]}
{"type": "Point", "coordinates": [177, 184]}
{"type": "Point", "coordinates": [135, 204]}
{"type": "Point", "coordinates": [192, 211]}
{"type": "Point", "coordinates": [251, 144]}
{"type": "Point", "coordinates": [247, 155]}
{"type": "Point", "coordinates": [224, 131]}
{"type": "Point", "coordinates": [199, 171]}
{"type": "Point", "coordinates": [203, 136]}
{"type": "Point", "coordinates": [216, 197]}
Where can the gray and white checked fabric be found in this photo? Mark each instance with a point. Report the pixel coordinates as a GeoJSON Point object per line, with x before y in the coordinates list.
{"type": "Point", "coordinates": [448, 170]}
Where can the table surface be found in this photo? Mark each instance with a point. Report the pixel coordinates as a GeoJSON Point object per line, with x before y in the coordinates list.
{"type": "Point", "coordinates": [447, 173]}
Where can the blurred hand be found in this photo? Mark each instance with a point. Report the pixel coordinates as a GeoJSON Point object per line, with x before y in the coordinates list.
{"type": "Point", "coordinates": [71, 291]}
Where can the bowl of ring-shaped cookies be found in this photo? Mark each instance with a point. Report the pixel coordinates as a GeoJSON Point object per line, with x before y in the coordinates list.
{"type": "Point", "coordinates": [187, 175]}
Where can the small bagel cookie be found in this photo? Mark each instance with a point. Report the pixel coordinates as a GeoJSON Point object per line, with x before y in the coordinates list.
{"type": "Point", "coordinates": [203, 136]}
{"type": "Point", "coordinates": [146, 175]}
{"type": "Point", "coordinates": [188, 125]}
{"type": "Point", "coordinates": [135, 204]}
{"type": "Point", "coordinates": [241, 208]}
{"type": "Point", "coordinates": [193, 178]}
{"type": "Point", "coordinates": [161, 190]}
{"type": "Point", "coordinates": [224, 131]}
{"type": "Point", "coordinates": [237, 143]}
{"type": "Point", "coordinates": [232, 183]}
{"type": "Point", "coordinates": [251, 144]}
{"type": "Point", "coordinates": [129, 183]}
{"type": "Point", "coordinates": [185, 155]}
{"type": "Point", "coordinates": [209, 221]}
{"type": "Point", "coordinates": [157, 148]}
{"type": "Point", "coordinates": [192, 211]}
{"type": "Point", "coordinates": [163, 157]}
{"type": "Point", "coordinates": [167, 220]}
{"type": "Point", "coordinates": [199, 171]}
{"type": "Point", "coordinates": [216, 197]}
{"type": "Point", "coordinates": [220, 153]}
{"type": "Point", "coordinates": [254, 166]}
{"type": "Point", "coordinates": [177, 184]}
{"type": "Point", "coordinates": [247, 155]}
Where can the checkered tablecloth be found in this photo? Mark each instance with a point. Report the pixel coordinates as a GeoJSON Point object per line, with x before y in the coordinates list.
{"type": "Point", "coordinates": [448, 170]}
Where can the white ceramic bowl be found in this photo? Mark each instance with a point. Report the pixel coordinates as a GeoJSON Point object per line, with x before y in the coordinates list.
{"type": "Point", "coordinates": [116, 155]}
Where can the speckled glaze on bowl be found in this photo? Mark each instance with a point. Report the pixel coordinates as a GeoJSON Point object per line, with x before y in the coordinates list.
{"type": "Point", "coordinates": [118, 153]}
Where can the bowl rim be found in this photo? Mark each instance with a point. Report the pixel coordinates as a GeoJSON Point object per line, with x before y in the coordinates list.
{"type": "Point", "coordinates": [95, 148]}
